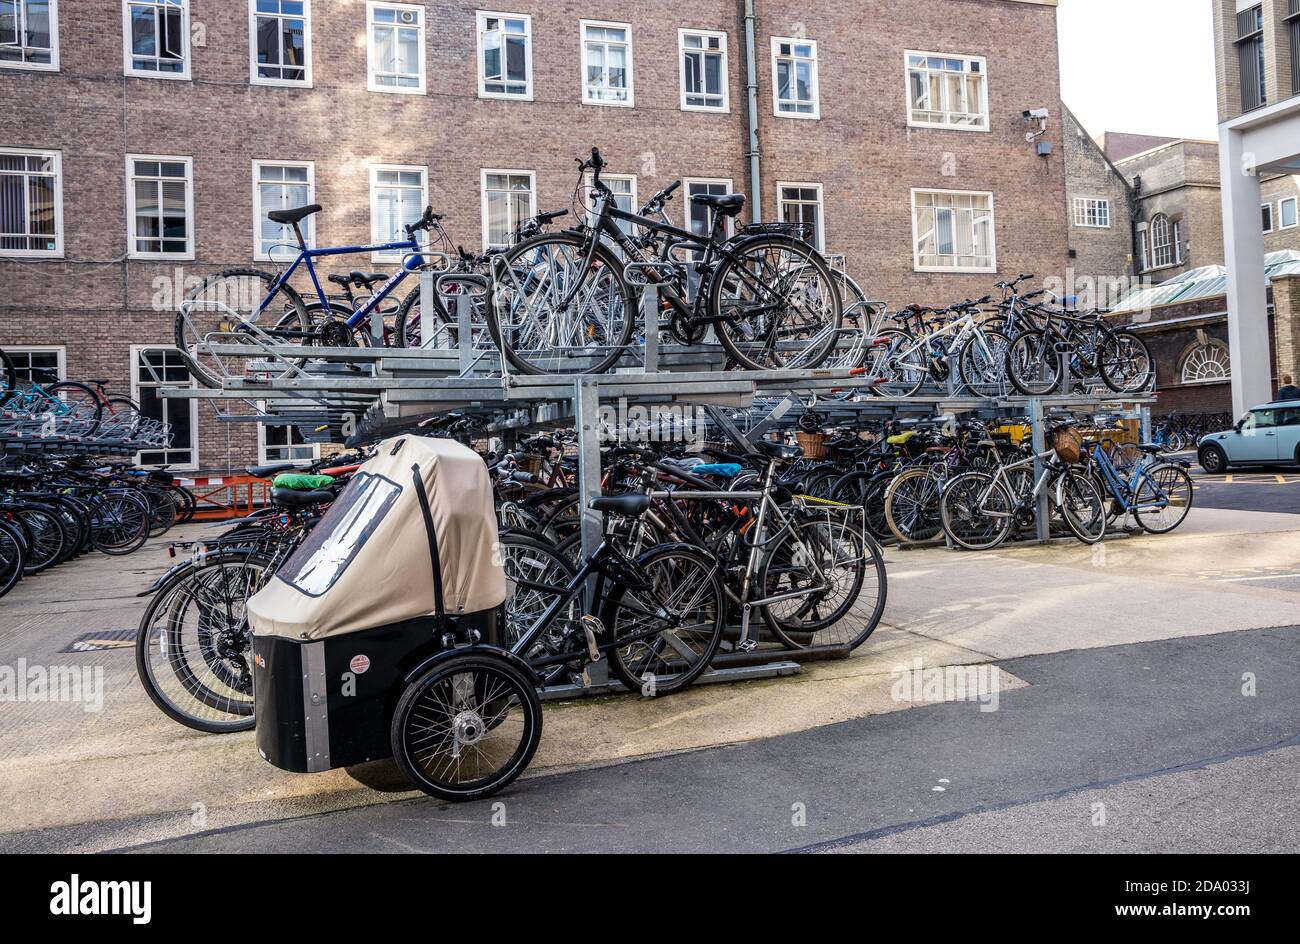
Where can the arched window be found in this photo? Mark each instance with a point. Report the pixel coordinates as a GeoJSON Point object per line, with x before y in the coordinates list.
{"type": "Point", "coordinates": [1163, 252]}
{"type": "Point", "coordinates": [1207, 363]}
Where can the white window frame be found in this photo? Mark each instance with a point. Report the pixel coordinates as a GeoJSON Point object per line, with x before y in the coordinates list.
{"type": "Point", "coordinates": [606, 178]}
{"type": "Point", "coordinates": [371, 84]}
{"type": "Point", "coordinates": [816, 112]}
{"type": "Point", "coordinates": [1084, 205]}
{"type": "Point", "coordinates": [820, 243]}
{"type": "Point", "coordinates": [483, 196]}
{"type": "Point", "coordinates": [263, 459]}
{"type": "Point", "coordinates": [59, 350]}
{"type": "Point", "coordinates": [480, 20]}
{"type": "Point", "coordinates": [1272, 220]}
{"type": "Point", "coordinates": [1212, 344]}
{"type": "Point", "coordinates": [193, 404]}
{"type": "Point", "coordinates": [1295, 213]}
{"type": "Point", "coordinates": [253, 77]}
{"type": "Point", "coordinates": [259, 212]}
{"type": "Point", "coordinates": [630, 101]}
{"type": "Point", "coordinates": [58, 251]}
{"type": "Point", "coordinates": [726, 182]}
{"type": "Point", "coordinates": [725, 107]}
{"type": "Point", "coordinates": [373, 174]}
{"type": "Point", "coordinates": [947, 125]}
{"type": "Point", "coordinates": [1175, 250]}
{"type": "Point", "coordinates": [993, 233]}
{"type": "Point", "coordinates": [127, 67]}
{"type": "Point", "coordinates": [53, 64]}
{"type": "Point", "coordinates": [131, 253]}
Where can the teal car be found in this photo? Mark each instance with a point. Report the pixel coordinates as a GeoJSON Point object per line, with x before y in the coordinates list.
{"type": "Point", "coordinates": [1267, 435]}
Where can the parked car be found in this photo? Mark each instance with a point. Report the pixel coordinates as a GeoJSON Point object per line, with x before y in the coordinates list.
{"type": "Point", "coordinates": [1267, 435]}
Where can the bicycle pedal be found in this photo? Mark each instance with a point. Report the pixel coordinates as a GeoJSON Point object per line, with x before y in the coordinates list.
{"type": "Point", "coordinates": [748, 645]}
{"type": "Point", "coordinates": [591, 627]}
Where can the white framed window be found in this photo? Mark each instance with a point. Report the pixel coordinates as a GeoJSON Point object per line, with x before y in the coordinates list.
{"type": "Point", "coordinates": [156, 38]}
{"type": "Point", "coordinates": [1266, 216]}
{"type": "Point", "coordinates": [509, 198]}
{"type": "Point", "coordinates": [947, 91]}
{"type": "Point", "coordinates": [1143, 249]}
{"type": "Point", "coordinates": [398, 195]}
{"type": "Point", "coordinates": [1288, 218]}
{"type": "Point", "coordinates": [1164, 243]}
{"type": "Point", "coordinates": [29, 34]}
{"type": "Point", "coordinates": [276, 444]}
{"type": "Point", "coordinates": [703, 56]}
{"type": "Point", "coordinates": [160, 207]}
{"type": "Point", "coordinates": [606, 63]}
{"type": "Point", "coordinates": [802, 203]}
{"type": "Point", "coordinates": [794, 78]}
{"type": "Point", "coordinates": [154, 366]}
{"type": "Point", "coordinates": [505, 56]}
{"type": "Point", "coordinates": [38, 363]}
{"type": "Point", "coordinates": [395, 34]}
{"type": "Point", "coordinates": [1207, 363]}
{"type": "Point", "coordinates": [1092, 212]}
{"type": "Point", "coordinates": [281, 185]}
{"type": "Point", "coordinates": [953, 231]}
{"type": "Point", "coordinates": [279, 42]}
{"type": "Point", "coordinates": [31, 203]}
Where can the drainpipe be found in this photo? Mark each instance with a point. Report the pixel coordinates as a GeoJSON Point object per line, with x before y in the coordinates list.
{"type": "Point", "coordinates": [751, 88]}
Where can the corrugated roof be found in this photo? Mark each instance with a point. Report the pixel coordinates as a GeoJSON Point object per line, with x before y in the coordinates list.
{"type": "Point", "coordinates": [1205, 282]}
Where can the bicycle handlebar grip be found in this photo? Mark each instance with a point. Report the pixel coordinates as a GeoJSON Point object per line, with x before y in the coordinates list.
{"type": "Point", "coordinates": [671, 188]}
{"type": "Point", "coordinates": [597, 162]}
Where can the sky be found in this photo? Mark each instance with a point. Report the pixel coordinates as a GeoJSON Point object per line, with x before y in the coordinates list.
{"type": "Point", "coordinates": [1139, 66]}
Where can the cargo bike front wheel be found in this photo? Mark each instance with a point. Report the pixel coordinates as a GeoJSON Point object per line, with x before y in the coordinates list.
{"type": "Point", "coordinates": [467, 727]}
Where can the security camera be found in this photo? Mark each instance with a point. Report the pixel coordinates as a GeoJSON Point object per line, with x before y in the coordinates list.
{"type": "Point", "coordinates": [1039, 113]}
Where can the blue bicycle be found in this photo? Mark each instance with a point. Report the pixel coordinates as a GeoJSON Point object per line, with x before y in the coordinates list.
{"type": "Point", "coordinates": [261, 311]}
{"type": "Point", "coordinates": [1157, 493]}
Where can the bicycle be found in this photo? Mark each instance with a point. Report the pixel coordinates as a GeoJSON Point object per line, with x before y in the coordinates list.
{"type": "Point", "coordinates": [1158, 494]}
{"type": "Point", "coordinates": [770, 298]}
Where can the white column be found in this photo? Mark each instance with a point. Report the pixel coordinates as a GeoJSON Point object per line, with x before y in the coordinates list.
{"type": "Point", "coordinates": [1243, 252]}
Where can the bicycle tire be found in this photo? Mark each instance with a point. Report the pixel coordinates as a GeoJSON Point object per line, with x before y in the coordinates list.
{"type": "Point", "coordinates": [89, 406]}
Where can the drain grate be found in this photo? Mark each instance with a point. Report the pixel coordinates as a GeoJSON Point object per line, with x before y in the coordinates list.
{"type": "Point", "coordinates": [102, 641]}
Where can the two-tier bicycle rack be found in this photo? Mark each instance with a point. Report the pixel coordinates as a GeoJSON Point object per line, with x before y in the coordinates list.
{"type": "Point", "coordinates": [359, 395]}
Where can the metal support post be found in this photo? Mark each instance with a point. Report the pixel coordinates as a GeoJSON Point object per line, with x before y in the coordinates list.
{"type": "Point", "coordinates": [650, 318]}
{"type": "Point", "coordinates": [586, 409]}
{"type": "Point", "coordinates": [427, 297]}
{"type": "Point", "coordinates": [465, 331]}
{"type": "Point", "coordinates": [1042, 513]}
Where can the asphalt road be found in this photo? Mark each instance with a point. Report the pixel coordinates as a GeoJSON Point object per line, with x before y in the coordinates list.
{"type": "Point", "coordinates": [1160, 734]}
{"type": "Point", "coordinates": [1267, 489]}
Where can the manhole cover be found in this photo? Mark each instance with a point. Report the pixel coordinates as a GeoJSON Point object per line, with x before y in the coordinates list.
{"type": "Point", "coordinates": [102, 640]}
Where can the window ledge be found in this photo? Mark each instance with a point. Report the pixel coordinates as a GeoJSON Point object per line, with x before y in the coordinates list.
{"type": "Point", "coordinates": [31, 66]}
{"type": "Point", "coordinates": [957, 270]}
{"type": "Point", "coordinates": [928, 126]}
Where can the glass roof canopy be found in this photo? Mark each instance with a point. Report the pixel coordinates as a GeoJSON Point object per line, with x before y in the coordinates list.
{"type": "Point", "coordinates": [1205, 282]}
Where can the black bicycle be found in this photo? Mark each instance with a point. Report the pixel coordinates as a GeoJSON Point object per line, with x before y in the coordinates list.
{"type": "Point", "coordinates": [565, 301]}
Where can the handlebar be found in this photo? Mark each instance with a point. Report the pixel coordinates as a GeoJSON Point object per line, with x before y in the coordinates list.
{"type": "Point", "coordinates": [424, 222]}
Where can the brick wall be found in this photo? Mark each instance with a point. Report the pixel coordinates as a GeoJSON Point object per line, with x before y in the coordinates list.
{"type": "Point", "coordinates": [861, 150]}
{"type": "Point", "coordinates": [1099, 253]}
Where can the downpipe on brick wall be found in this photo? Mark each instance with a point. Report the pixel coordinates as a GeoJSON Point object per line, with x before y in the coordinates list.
{"type": "Point", "coordinates": [751, 88]}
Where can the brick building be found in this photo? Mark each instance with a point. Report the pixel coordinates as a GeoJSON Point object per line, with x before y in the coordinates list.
{"type": "Point", "coordinates": [1101, 205]}
{"type": "Point", "coordinates": [143, 141]}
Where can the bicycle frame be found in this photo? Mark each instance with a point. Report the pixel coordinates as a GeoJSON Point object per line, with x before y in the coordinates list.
{"type": "Point", "coordinates": [1126, 492]}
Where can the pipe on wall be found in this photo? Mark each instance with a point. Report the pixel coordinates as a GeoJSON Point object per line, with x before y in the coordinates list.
{"type": "Point", "coordinates": [751, 88]}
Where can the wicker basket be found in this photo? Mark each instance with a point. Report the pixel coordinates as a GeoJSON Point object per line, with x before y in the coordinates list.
{"type": "Point", "coordinates": [530, 463]}
{"type": "Point", "coordinates": [812, 444]}
{"type": "Point", "coordinates": [1068, 443]}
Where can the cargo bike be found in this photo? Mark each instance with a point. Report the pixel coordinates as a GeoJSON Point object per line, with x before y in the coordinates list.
{"type": "Point", "coordinates": [358, 655]}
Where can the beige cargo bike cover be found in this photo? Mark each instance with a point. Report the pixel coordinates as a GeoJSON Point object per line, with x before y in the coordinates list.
{"type": "Point", "coordinates": [368, 562]}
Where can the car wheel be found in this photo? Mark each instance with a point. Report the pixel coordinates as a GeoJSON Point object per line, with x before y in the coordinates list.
{"type": "Point", "coordinates": [1213, 459]}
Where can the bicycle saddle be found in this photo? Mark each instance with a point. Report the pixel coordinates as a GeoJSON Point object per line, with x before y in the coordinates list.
{"type": "Point", "coordinates": [297, 214]}
{"type": "Point", "coordinates": [295, 499]}
{"type": "Point", "coordinates": [728, 204]}
{"type": "Point", "coordinates": [631, 505]}
{"type": "Point", "coordinates": [270, 471]}
{"type": "Point", "coordinates": [778, 451]}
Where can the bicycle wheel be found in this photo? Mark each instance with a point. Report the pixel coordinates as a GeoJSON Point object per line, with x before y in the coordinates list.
{"type": "Point", "coordinates": [550, 315]}
{"type": "Point", "coordinates": [162, 511]}
{"type": "Point", "coordinates": [866, 489]}
{"type": "Point", "coordinates": [226, 306]}
{"type": "Point", "coordinates": [668, 626]}
{"type": "Point", "coordinates": [1164, 498]}
{"type": "Point", "coordinates": [13, 558]}
{"type": "Point", "coordinates": [49, 538]}
{"type": "Point", "coordinates": [900, 361]}
{"type": "Point", "coordinates": [844, 569]}
{"type": "Point", "coordinates": [1032, 363]}
{"type": "Point", "coordinates": [1125, 363]}
{"type": "Point", "coordinates": [124, 415]}
{"type": "Point", "coordinates": [467, 727]}
{"type": "Point", "coordinates": [193, 643]}
{"type": "Point", "coordinates": [976, 511]}
{"type": "Point", "coordinates": [912, 506]}
{"type": "Point", "coordinates": [82, 404]}
{"type": "Point", "coordinates": [776, 304]}
{"type": "Point", "coordinates": [982, 363]}
{"type": "Point", "coordinates": [119, 523]}
{"type": "Point", "coordinates": [536, 575]}
{"type": "Point", "coordinates": [1081, 505]}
